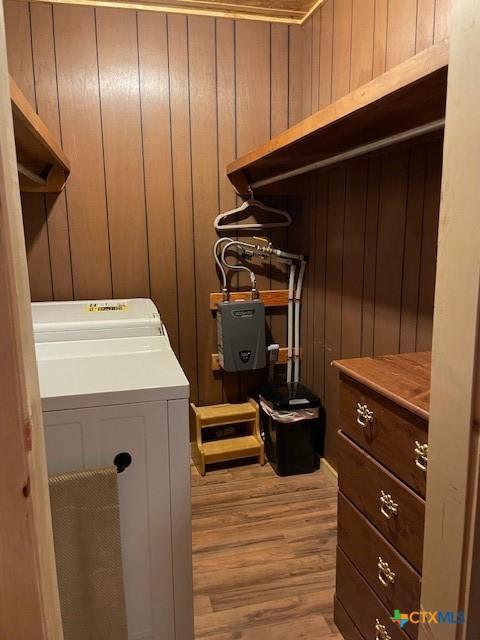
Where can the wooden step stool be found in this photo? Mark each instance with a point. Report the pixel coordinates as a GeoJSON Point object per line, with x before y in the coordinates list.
{"type": "Point", "coordinates": [220, 415]}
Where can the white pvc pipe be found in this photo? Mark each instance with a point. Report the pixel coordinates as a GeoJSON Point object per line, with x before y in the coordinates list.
{"type": "Point", "coordinates": [291, 282]}
{"type": "Point", "coordinates": [298, 295]}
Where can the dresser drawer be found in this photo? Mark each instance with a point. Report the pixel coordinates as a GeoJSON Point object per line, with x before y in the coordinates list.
{"type": "Point", "coordinates": [366, 611]}
{"type": "Point", "coordinates": [392, 507]}
{"type": "Point", "coordinates": [391, 434]}
{"type": "Point", "coordinates": [394, 581]}
{"type": "Point", "coordinates": [344, 623]}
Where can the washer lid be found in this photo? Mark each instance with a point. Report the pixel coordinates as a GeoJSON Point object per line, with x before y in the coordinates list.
{"type": "Point", "coordinates": [91, 373]}
{"type": "Point", "coordinates": [89, 319]}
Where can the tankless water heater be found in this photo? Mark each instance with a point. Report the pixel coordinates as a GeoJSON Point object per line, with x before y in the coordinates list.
{"type": "Point", "coordinates": [241, 335]}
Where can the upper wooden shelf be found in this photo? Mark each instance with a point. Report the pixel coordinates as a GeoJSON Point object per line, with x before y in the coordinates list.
{"type": "Point", "coordinates": [42, 165]}
{"type": "Point", "coordinates": [407, 96]}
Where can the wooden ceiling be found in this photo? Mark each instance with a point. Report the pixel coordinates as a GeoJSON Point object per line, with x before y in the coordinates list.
{"type": "Point", "coordinates": [286, 11]}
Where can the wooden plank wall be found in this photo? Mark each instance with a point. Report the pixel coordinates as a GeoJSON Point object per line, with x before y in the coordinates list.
{"type": "Point", "coordinates": [150, 108]}
{"type": "Point", "coordinates": [371, 223]}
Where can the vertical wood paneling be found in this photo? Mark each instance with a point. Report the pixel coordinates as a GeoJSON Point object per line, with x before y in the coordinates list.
{"type": "Point", "coordinates": [203, 122]}
{"type": "Point", "coordinates": [252, 84]}
{"type": "Point", "coordinates": [342, 43]}
{"type": "Point", "coordinates": [191, 95]}
{"type": "Point", "coordinates": [123, 151]}
{"type": "Point", "coordinates": [326, 53]}
{"type": "Point", "coordinates": [380, 37]}
{"type": "Point", "coordinates": [443, 9]}
{"type": "Point", "coordinates": [225, 56]}
{"type": "Point", "coordinates": [391, 232]}
{"type": "Point", "coordinates": [401, 31]}
{"type": "Point", "coordinates": [370, 257]}
{"type": "Point", "coordinates": [309, 227]}
{"type": "Point", "coordinates": [429, 246]}
{"type": "Point", "coordinates": [77, 79]}
{"type": "Point", "coordinates": [295, 74]}
{"type": "Point", "coordinates": [412, 249]}
{"type": "Point", "coordinates": [157, 153]}
{"type": "Point", "coordinates": [316, 24]}
{"type": "Point", "coordinates": [363, 19]}
{"type": "Point", "coordinates": [307, 70]}
{"type": "Point", "coordinates": [333, 295]}
{"type": "Point", "coordinates": [19, 48]}
{"type": "Point", "coordinates": [353, 258]}
{"type": "Point", "coordinates": [279, 79]}
{"type": "Point", "coordinates": [47, 103]}
{"type": "Point", "coordinates": [319, 284]}
{"type": "Point", "coordinates": [425, 24]}
{"type": "Point", "coordinates": [36, 241]}
{"type": "Point", "coordinates": [182, 184]}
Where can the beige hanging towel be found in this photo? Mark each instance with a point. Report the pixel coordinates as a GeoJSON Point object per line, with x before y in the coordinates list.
{"type": "Point", "coordinates": [86, 530]}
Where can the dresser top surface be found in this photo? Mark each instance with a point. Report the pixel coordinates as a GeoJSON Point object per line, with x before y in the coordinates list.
{"type": "Point", "coordinates": [403, 378]}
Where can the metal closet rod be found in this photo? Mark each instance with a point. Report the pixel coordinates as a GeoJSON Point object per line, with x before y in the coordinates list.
{"type": "Point", "coordinates": [355, 152]}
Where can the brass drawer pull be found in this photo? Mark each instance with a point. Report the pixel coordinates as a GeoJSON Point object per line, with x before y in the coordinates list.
{"type": "Point", "coordinates": [388, 507]}
{"type": "Point", "coordinates": [385, 574]}
{"type": "Point", "coordinates": [421, 455]}
{"type": "Point", "coordinates": [381, 631]}
{"type": "Point", "coordinates": [364, 415]}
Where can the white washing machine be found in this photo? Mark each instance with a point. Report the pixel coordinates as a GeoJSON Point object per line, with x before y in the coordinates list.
{"type": "Point", "coordinates": [91, 319]}
{"type": "Point", "coordinates": [119, 396]}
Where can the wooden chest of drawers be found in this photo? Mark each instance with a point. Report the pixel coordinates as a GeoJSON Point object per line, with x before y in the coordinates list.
{"type": "Point", "coordinates": [382, 461]}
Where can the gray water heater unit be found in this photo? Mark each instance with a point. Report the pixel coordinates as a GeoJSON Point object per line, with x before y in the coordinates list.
{"type": "Point", "coordinates": [241, 335]}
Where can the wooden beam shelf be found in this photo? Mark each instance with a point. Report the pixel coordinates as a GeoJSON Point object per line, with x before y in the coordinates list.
{"type": "Point", "coordinates": [42, 164]}
{"type": "Point", "coordinates": [271, 298]}
{"type": "Point", "coordinates": [407, 96]}
{"type": "Point", "coordinates": [282, 359]}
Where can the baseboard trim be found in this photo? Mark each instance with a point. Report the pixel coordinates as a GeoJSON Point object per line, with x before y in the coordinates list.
{"type": "Point", "coordinates": [324, 463]}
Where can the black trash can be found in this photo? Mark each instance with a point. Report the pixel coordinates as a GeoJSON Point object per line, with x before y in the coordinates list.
{"type": "Point", "coordinates": [293, 424]}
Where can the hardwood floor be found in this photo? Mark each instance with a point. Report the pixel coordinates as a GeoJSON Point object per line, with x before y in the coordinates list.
{"type": "Point", "coordinates": [264, 554]}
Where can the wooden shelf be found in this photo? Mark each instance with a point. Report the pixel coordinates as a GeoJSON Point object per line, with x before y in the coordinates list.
{"type": "Point", "coordinates": [407, 96]}
{"type": "Point", "coordinates": [282, 359]}
{"type": "Point", "coordinates": [270, 298]}
{"type": "Point", "coordinates": [42, 165]}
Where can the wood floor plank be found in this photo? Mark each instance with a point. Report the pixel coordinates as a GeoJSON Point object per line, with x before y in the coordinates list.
{"type": "Point", "coordinates": [264, 554]}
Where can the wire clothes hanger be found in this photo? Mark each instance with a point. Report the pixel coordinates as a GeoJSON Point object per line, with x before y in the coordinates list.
{"type": "Point", "coordinates": [221, 224]}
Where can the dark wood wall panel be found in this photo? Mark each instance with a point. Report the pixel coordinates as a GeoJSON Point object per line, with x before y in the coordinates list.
{"type": "Point", "coordinates": [372, 264]}
{"type": "Point", "coordinates": [371, 273]}
{"type": "Point", "coordinates": [118, 73]}
{"type": "Point", "coordinates": [81, 126]}
{"type": "Point", "coordinates": [177, 33]}
{"type": "Point", "coordinates": [157, 152]}
{"type": "Point", "coordinates": [203, 118]}
{"type": "Point", "coordinates": [43, 54]}
{"type": "Point", "coordinates": [150, 110]}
